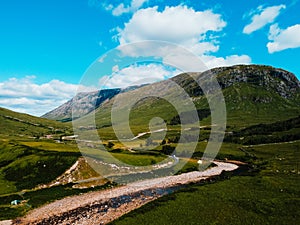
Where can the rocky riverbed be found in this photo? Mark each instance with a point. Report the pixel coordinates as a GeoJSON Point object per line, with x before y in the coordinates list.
{"type": "Point", "coordinates": [104, 206]}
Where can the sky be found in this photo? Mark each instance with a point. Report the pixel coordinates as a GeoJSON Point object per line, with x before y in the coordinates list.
{"type": "Point", "coordinates": [48, 47]}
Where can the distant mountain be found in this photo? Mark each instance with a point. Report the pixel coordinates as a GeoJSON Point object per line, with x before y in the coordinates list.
{"type": "Point", "coordinates": [253, 94]}
{"type": "Point", "coordinates": [84, 103]}
{"type": "Point", "coordinates": [81, 104]}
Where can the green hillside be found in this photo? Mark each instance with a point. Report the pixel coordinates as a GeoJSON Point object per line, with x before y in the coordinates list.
{"type": "Point", "coordinates": [248, 104]}
{"type": "Point", "coordinates": [23, 125]}
{"type": "Point", "coordinates": [29, 154]}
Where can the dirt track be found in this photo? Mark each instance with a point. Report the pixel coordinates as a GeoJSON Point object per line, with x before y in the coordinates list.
{"type": "Point", "coordinates": [104, 206]}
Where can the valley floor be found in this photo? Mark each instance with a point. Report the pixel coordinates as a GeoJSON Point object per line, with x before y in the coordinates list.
{"type": "Point", "coordinates": [102, 207]}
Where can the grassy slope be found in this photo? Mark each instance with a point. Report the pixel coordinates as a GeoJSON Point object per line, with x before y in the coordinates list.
{"type": "Point", "coordinates": [19, 124]}
{"type": "Point", "coordinates": [24, 167]}
{"type": "Point", "coordinates": [25, 161]}
{"type": "Point", "coordinates": [248, 105]}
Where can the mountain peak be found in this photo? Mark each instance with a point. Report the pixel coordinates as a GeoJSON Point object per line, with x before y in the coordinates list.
{"type": "Point", "coordinates": [281, 81]}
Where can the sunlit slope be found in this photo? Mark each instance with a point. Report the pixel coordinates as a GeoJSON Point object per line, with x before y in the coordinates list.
{"type": "Point", "coordinates": [19, 124]}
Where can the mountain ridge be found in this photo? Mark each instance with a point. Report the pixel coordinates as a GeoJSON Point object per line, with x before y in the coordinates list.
{"type": "Point", "coordinates": [260, 75]}
{"type": "Point", "coordinates": [259, 85]}
{"type": "Point", "coordinates": [85, 103]}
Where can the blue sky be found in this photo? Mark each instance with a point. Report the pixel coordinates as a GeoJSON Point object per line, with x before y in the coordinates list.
{"type": "Point", "coordinates": [46, 46]}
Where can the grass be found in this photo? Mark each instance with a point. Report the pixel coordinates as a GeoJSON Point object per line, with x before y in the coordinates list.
{"type": "Point", "coordinates": [243, 110]}
{"type": "Point", "coordinates": [139, 159]}
{"type": "Point", "coordinates": [18, 124]}
{"type": "Point", "coordinates": [51, 146]}
{"type": "Point", "coordinates": [227, 151]}
{"type": "Point", "coordinates": [270, 196]}
{"type": "Point", "coordinates": [26, 160]}
{"type": "Point", "coordinates": [24, 167]}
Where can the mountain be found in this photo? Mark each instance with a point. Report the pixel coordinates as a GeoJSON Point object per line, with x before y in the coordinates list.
{"type": "Point", "coordinates": [84, 103]}
{"type": "Point", "coordinates": [276, 80]}
{"type": "Point", "coordinates": [253, 94]}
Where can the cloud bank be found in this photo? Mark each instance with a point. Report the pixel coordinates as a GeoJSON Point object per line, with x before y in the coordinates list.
{"type": "Point", "coordinates": [137, 75]}
{"type": "Point", "coordinates": [25, 95]}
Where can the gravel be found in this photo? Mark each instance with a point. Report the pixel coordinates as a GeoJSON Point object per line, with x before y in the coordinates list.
{"type": "Point", "coordinates": [103, 206]}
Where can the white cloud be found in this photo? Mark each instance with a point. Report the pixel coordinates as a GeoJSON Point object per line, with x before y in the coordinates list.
{"type": "Point", "coordinates": [136, 75]}
{"type": "Point", "coordinates": [121, 8]}
{"type": "Point", "coordinates": [274, 31]}
{"type": "Point", "coordinates": [108, 7]}
{"type": "Point", "coordinates": [283, 39]}
{"type": "Point", "coordinates": [24, 95]}
{"type": "Point", "coordinates": [180, 24]}
{"type": "Point", "coordinates": [263, 17]}
{"type": "Point", "coordinates": [212, 62]}
{"type": "Point", "coordinates": [115, 68]}
{"type": "Point", "coordinates": [179, 57]}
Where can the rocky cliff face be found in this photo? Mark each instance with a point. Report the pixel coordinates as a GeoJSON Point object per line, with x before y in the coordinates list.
{"type": "Point", "coordinates": [272, 79]}
{"type": "Point", "coordinates": [282, 82]}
